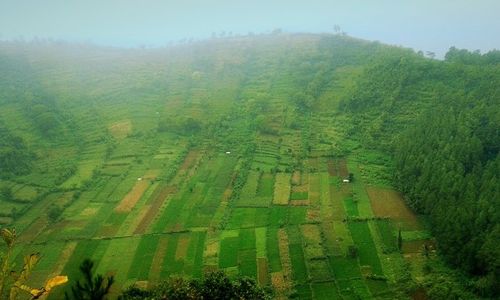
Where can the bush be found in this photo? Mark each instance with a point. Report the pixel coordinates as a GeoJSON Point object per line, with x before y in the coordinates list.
{"type": "Point", "coordinates": [215, 285]}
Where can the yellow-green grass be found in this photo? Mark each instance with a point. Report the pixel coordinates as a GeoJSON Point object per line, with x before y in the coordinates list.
{"type": "Point", "coordinates": [248, 217]}
{"type": "Point", "coordinates": [311, 235]}
{"type": "Point", "coordinates": [282, 189]}
{"type": "Point", "coordinates": [389, 203]}
{"type": "Point", "coordinates": [84, 173]}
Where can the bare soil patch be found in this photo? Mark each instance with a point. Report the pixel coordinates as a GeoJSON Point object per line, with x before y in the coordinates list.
{"type": "Point", "coordinates": [154, 208]}
{"type": "Point", "coordinates": [280, 285]}
{"type": "Point", "coordinates": [343, 171]}
{"type": "Point", "coordinates": [129, 201]}
{"type": "Point", "coordinates": [313, 215]}
{"type": "Point", "coordinates": [284, 250]}
{"type": "Point", "coordinates": [154, 272]}
{"type": "Point", "coordinates": [332, 168]}
{"type": "Point", "coordinates": [262, 271]}
{"type": "Point", "coordinates": [299, 202]}
{"type": "Point", "coordinates": [63, 259]}
{"type": "Point", "coordinates": [389, 203]}
{"type": "Point", "coordinates": [152, 174]}
{"type": "Point", "coordinates": [182, 247]}
{"type": "Point", "coordinates": [296, 178]}
{"type": "Point", "coordinates": [282, 189]}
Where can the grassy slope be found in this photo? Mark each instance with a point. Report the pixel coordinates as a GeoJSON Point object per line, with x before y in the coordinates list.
{"type": "Point", "coordinates": [246, 95]}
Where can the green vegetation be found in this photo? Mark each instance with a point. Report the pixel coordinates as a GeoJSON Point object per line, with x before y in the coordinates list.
{"type": "Point", "coordinates": [92, 287]}
{"type": "Point", "coordinates": [13, 282]}
{"type": "Point", "coordinates": [447, 160]}
{"type": "Point", "coordinates": [215, 285]}
{"type": "Point", "coordinates": [164, 165]}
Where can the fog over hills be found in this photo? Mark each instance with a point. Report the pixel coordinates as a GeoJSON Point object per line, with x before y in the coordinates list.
{"type": "Point", "coordinates": [426, 25]}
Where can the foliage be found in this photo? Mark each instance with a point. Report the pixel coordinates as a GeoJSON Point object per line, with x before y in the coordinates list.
{"type": "Point", "coordinates": [99, 118]}
{"type": "Point", "coordinates": [17, 282]}
{"type": "Point", "coordinates": [15, 157]}
{"type": "Point", "coordinates": [6, 193]}
{"type": "Point", "coordinates": [92, 287]}
{"type": "Point", "coordinates": [180, 125]}
{"type": "Point", "coordinates": [54, 212]}
{"type": "Point", "coordinates": [215, 285]}
{"type": "Point", "coordinates": [447, 157]}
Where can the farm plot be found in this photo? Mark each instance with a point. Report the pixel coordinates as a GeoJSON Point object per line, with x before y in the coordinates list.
{"type": "Point", "coordinates": [333, 168]}
{"type": "Point", "coordinates": [129, 201]}
{"type": "Point", "coordinates": [266, 186]}
{"type": "Point", "coordinates": [247, 263]}
{"type": "Point", "coordinates": [337, 196]}
{"type": "Point", "coordinates": [248, 217]}
{"type": "Point", "coordinates": [158, 258]}
{"type": "Point", "coordinates": [264, 162]}
{"type": "Point", "coordinates": [228, 256]}
{"type": "Point", "coordinates": [311, 235]}
{"type": "Point", "coordinates": [299, 269]}
{"type": "Point", "coordinates": [249, 191]}
{"type": "Point", "coordinates": [282, 189]}
{"type": "Point", "coordinates": [157, 198]}
{"type": "Point", "coordinates": [121, 129]}
{"type": "Point", "coordinates": [273, 252]}
{"type": "Point", "coordinates": [367, 251]}
{"type": "Point", "coordinates": [325, 290]}
{"type": "Point", "coordinates": [27, 193]}
{"type": "Point", "coordinates": [314, 189]}
{"type": "Point", "coordinates": [278, 215]}
{"type": "Point", "coordinates": [389, 203]}
{"type": "Point", "coordinates": [93, 249]}
{"type": "Point", "coordinates": [342, 168]}
{"type": "Point", "coordinates": [303, 291]}
{"type": "Point", "coordinates": [170, 264]}
{"type": "Point", "coordinates": [387, 235]}
{"type": "Point", "coordinates": [262, 271]}
{"type": "Point", "coordinates": [297, 215]}
{"type": "Point", "coordinates": [351, 207]}
{"type": "Point", "coordinates": [143, 258]}
{"type": "Point", "coordinates": [84, 172]}
{"type": "Point", "coordinates": [8, 209]}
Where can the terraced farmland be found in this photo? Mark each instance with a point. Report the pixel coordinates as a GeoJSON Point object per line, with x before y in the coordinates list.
{"type": "Point", "coordinates": [183, 167]}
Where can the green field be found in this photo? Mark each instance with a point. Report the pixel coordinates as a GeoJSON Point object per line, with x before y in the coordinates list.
{"type": "Point", "coordinates": [179, 162]}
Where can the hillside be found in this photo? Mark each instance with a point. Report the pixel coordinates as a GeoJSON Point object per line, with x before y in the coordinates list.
{"type": "Point", "coordinates": [231, 154]}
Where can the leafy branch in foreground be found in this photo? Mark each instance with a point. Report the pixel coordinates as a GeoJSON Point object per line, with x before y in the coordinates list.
{"type": "Point", "coordinates": [20, 279]}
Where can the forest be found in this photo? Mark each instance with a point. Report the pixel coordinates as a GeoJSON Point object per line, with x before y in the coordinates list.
{"type": "Point", "coordinates": [308, 166]}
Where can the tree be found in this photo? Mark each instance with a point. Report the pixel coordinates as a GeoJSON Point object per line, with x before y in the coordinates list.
{"type": "Point", "coordinates": [55, 211]}
{"type": "Point", "coordinates": [337, 29]}
{"type": "Point", "coordinates": [6, 193]}
{"type": "Point", "coordinates": [215, 285]}
{"type": "Point", "coordinates": [352, 251]}
{"type": "Point", "coordinates": [400, 240]}
{"type": "Point", "coordinates": [430, 54]}
{"type": "Point", "coordinates": [92, 288]}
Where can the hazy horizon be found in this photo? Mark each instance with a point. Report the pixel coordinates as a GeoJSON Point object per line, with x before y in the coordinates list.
{"type": "Point", "coordinates": [426, 25]}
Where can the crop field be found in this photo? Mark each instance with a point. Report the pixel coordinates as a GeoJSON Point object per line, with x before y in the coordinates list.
{"type": "Point", "coordinates": [388, 203]}
{"type": "Point", "coordinates": [151, 192]}
{"type": "Point", "coordinates": [273, 234]}
{"type": "Point", "coordinates": [282, 188]}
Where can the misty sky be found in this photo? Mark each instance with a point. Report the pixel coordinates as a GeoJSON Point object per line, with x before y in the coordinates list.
{"type": "Point", "coordinates": [429, 25]}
